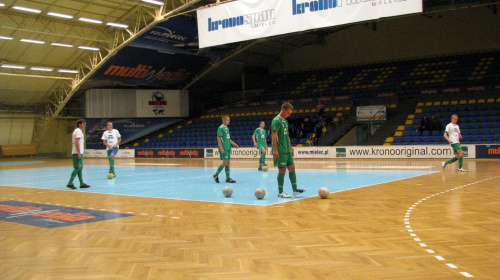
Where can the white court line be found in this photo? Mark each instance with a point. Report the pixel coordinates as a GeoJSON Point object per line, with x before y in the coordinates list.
{"type": "Point", "coordinates": [379, 167]}
{"type": "Point", "coordinates": [160, 164]}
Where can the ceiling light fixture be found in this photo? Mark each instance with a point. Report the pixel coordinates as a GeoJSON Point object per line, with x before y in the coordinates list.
{"type": "Point", "coordinates": [62, 45]}
{"type": "Point", "coordinates": [59, 15]}
{"type": "Point", "coordinates": [153, 2]}
{"type": "Point", "coordinates": [117, 25]}
{"type": "Point", "coordinates": [67, 71]}
{"type": "Point", "coordinates": [90, 20]}
{"type": "Point", "coordinates": [2, 4]}
{"type": "Point", "coordinates": [88, 48]}
{"type": "Point", "coordinates": [13, 66]}
{"type": "Point", "coordinates": [32, 41]}
{"type": "Point", "coordinates": [26, 9]}
{"type": "Point", "coordinates": [6, 38]}
{"type": "Point", "coordinates": [41, 69]}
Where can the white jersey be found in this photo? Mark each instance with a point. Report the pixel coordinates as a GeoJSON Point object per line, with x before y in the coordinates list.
{"type": "Point", "coordinates": [111, 137]}
{"type": "Point", "coordinates": [77, 134]}
{"type": "Point", "coordinates": [453, 132]}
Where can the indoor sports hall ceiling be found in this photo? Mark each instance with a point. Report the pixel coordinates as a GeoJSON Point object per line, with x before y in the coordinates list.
{"type": "Point", "coordinates": [51, 51]}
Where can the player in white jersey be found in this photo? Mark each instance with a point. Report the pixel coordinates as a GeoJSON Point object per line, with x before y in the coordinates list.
{"type": "Point", "coordinates": [111, 138]}
{"type": "Point", "coordinates": [77, 149]}
{"type": "Point", "coordinates": [452, 134]}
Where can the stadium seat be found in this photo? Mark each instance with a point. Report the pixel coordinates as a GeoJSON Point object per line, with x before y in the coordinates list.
{"type": "Point", "coordinates": [401, 127]}
{"type": "Point", "coordinates": [398, 139]}
{"type": "Point", "coordinates": [426, 133]}
{"type": "Point", "coordinates": [408, 139]}
{"type": "Point", "coordinates": [435, 133]}
{"type": "Point", "coordinates": [417, 139]}
{"type": "Point", "coordinates": [407, 133]}
{"type": "Point", "coordinates": [486, 131]}
{"type": "Point", "coordinates": [468, 138]}
{"type": "Point", "coordinates": [408, 122]}
{"type": "Point", "coordinates": [478, 138]}
{"type": "Point", "coordinates": [398, 133]}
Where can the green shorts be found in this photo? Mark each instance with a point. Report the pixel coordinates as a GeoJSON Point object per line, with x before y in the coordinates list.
{"type": "Point", "coordinates": [226, 155]}
{"type": "Point", "coordinates": [456, 147]}
{"type": "Point", "coordinates": [77, 162]}
{"type": "Point", "coordinates": [114, 151]}
{"type": "Point", "coordinates": [261, 147]}
{"type": "Point", "coordinates": [283, 160]}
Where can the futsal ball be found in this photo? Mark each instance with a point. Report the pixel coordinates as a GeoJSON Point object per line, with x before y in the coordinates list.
{"type": "Point", "coordinates": [111, 175]}
{"type": "Point", "coordinates": [264, 168]}
{"type": "Point", "coordinates": [227, 191]}
{"type": "Point", "coordinates": [324, 192]}
{"type": "Point", "coordinates": [260, 193]}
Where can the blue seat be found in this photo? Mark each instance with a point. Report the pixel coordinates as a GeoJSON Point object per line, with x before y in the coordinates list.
{"type": "Point", "coordinates": [478, 138]}
{"type": "Point", "coordinates": [489, 138]}
{"type": "Point", "coordinates": [407, 133]}
{"type": "Point", "coordinates": [486, 131]}
{"type": "Point", "coordinates": [408, 139]}
{"type": "Point", "coordinates": [486, 125]}
{"type": "Point", "coordinates": [409, 127]}
{"type": "Point", "coordinates": [493, 119]}
{"type": "Point", "coordinates": [465, 132]}
{"type": "Point", "coordinates": [435, 133]}
{"type": "Point", "coordinates": [436, 139]}
{"type": "Point", "coordinates": [426, 133]}
{"type": "Point", "coordinates": [496, 131]}
{"type": "Point", "coordinates": [484, 119]}
{"type": "Point", "coordinates": [468, 138]}
{"type": "Point", "coordinates": [465, 126]}
{"type": "Point", "coordinates": [496, 125]}
{"type": "Point", "coordinates": [417, 139]}
{"type": "Point", "coordinates": [427, 139]}
{"type": "Point", "coordinates": [476, 125]}
{"type": "Point", "coordinates": [475, 131]}
{"type": "Point", "coordinates": [416, 133]}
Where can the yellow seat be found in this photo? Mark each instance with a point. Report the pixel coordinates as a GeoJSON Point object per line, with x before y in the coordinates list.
{"type": "Point", "coordinates": [420, 104]}
{"type": "Point", "coordinates": [203, 117]}
{"type": "Point", "coordinates": [340, 109]}
{"type": "Point", "coordinates": [389, 139]}
{"type": "Point", "coordinates": [418, 111]}
{"type": "Point", "coordinates": [411, 117]}
{"type": "Point", "coordinates": [300, 111]}
{"type": "Point", "coordinates": [398, 133]}
{"type": "Point", "coordinates": [238, 114]}
{"type": "Point", "coordinates": [462, 102]}
{"type": "Point", "coordinates": [253, 114]}
{"type": "Point", "coordinates": [313, 111]}
{"type": "Point", "coordinates": [160, 136]}
{"type": "Point", "coordinates": [264, 113]}
{"type": "Point", "coordinates": [408, 122]}
{"type": "Point", "coordinates": [338, 115]}
{"type": "Point", "coordinates": [472, 101]}
{"type": "Point", "coordinates": [335, 119]}
{"type": "Point", "coordinates": [490, 100]}
{"type": "Point", "coordinates": [392, 106]}
{"type": "Point", "coordinates": [147, 140]}
{"type": "Point", "coordinates": [401, 127]}
{"type": "Point", "coordinates": [232, 115]}
{"type": "Point", "coordinates": [270, 112]}
{"type": "Point", "coordinates": [307, 111]}
{"type": "Point", "coordinates": [276, 112]}
{"type": "Point", "coordinates": [481, 101]}
{"type": "Point", "coordinates": [300, 145]}
{"type": "Point", "coordinates": [445, 103]}
{"type": "Point", "coordinates": [387, 144]}
{"type": "Point", "coordinates": [327, 110]}
{"type": "Point", "coordinates": [427, 104]}
{"type": "Point", "coordinates": [436, 103]}
{"type": "Point", "coordinates": [454, 102]}
{"type": "Point", "coordinates": [136, 144]}
{"type": "Point", "coordinates": [179, 126]}
{"type": "Point", "coordinates": [171, 131]}
{"type": "Point", "coordinates": [347, 108]}
{"type": "Point", "coordinates": [333, 109]}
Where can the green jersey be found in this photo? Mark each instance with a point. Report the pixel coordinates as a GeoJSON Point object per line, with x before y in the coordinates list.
{"type": "Point", "coordinates": [280, 125]}
{"type": "Point", "coordinates": [223, 133]}
{"type": "Point", "coordinates": [260, 136]}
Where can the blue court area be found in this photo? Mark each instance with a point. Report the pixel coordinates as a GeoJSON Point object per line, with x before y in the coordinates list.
{"type": "Point", "coordinates": [11, 163]}
{"type": "Point", "coordinates": [197, 184]}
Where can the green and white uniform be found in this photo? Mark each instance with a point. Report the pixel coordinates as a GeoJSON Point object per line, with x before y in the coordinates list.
{"type": "Point", "coordinates": [77, 162]}
{"type": "Point", "coordinates": [111, 137]}
{"type": "Point", "coordinates": [453, 131]}
{"type": "Point", "coordinates": [223, 133]}
{"type": "Point", "coordinates": [260, 137]}
{"type": "Point", "coordinates": [285, 158]}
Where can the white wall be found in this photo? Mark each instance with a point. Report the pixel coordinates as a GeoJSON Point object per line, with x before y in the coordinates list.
{"type": "Point", "coordinates": [16, 128]}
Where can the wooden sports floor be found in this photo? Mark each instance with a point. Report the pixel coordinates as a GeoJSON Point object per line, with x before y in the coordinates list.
{"type": "Point", "coordinates": [444, 225]}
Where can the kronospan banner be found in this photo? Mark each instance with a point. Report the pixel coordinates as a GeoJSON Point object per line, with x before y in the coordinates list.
{"type": "Point", "coordinates": [361, 152]}
{"type": "Point", "coordinates": [249, 19]}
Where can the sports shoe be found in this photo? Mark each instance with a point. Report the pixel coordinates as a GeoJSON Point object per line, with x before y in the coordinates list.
{"type": "Point", "coordinates": [443, 164]}
{"type": "Point", "coordinates": [216, 178]}
{"type": "Point", "coordinates": [84, 186]}
{"type": "Point", "coordinates": [264, 164]}
{"type": "Point", "coordinates": [260, 169]}
{"type": "Point", "coordinates": [71, 186]}
{"type": "Point", "coordinates": [462, 170]}
{"type": "Point", "coordinates": [298, 191]}
{"type": "Point", "coordinates": [230, 180]}
{"type": "Point", "coordinates": [284, 195]}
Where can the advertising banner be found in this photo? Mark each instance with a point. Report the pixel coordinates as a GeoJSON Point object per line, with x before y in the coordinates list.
{"type": "Point", "coordinates": [129, 129]}
{"type": "Point", "coordinates": [249, 19]}
{"type": "Point", "coordinates": [409, 152]}
{"type": "Point", "coordinates": [101, 153]}
{"type": "Point", "coordinates": [365, 113]}
{"type": "Point", "coordinates": [487, 151]}
{"type": "Point", "coordinates": [161, 103]}
{"type": "Point", "coordinates": [169, 153]}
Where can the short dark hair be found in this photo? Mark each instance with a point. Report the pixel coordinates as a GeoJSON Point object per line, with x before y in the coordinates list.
{"type": "Point", "coordinates": [79, 122]}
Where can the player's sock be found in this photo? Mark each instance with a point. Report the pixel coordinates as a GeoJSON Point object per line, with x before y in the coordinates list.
{"type": "Point", "coordinates": [228, 172]}
{"type": "Point", "coordinates": [460, 162]}
{"type": "Point", "coordinates": [281, 182]}
{"type": "Point", "coordinates": [219, 170]}
{"type": "Point", "coordinates": [112, 165]}
{"type": "Point", "coordinates": [452, 160]}
{"type": "Point", "coordinates": [293, 179]}
{"type": "Point", "coordinates": [262, 159]}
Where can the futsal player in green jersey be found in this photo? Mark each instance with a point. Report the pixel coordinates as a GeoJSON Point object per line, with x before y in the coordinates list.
{"type": "Point", "coordinates": [453, 135]}
{"type": "Point", "coordinates": [77, 150]}
{"type": "Point", "coordinates": [224, 142]}
{"type": "Point", "coordinates": [283, 151]}
{"type": "Point", "coordinates": [259, 140]}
